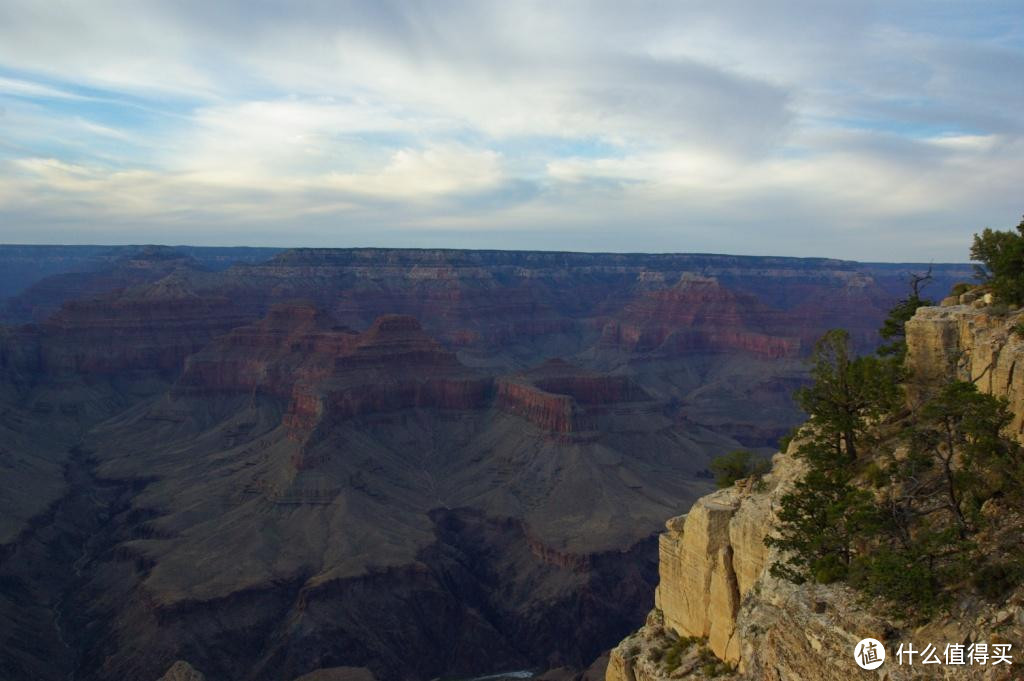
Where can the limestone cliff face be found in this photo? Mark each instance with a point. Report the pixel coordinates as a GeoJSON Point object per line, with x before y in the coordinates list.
{"type": "Point", "coordinates": [971, 344]}
{"type": "Point", "coordinates": [716, 585]}
{"type": "Point", "coordinates": [709, 560]}
{"type": "Point", "coordinates": [712, 562]}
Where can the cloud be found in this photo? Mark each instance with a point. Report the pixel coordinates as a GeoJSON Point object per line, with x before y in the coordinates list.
{"type": "Point", "coordinates": [428, 172]}
{"type": "Point", "coordinates": [23, 88]}
{"type": "Point", "coordinates": [856, 129]}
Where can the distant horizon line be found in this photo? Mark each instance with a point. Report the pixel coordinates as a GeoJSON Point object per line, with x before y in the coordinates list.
{"type": "Point", "coordinates": [487, 250]}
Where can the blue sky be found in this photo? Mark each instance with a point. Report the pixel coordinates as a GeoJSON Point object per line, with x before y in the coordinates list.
{"type": "Point", "coordinates": [877, 131]}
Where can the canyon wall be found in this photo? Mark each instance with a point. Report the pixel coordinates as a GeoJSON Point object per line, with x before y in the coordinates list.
{"type": "Point", "coordinates": [421, 462]}
{"type": "Point", "coordinates": [715, 582]}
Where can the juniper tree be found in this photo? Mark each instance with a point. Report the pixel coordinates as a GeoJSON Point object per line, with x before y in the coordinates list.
{"type": "Point", "coordinates": [1001, 258]}
{"type": "Point", "coordinates": [847, 393]}
{"type": "Point", "coordinates": [893, 329]}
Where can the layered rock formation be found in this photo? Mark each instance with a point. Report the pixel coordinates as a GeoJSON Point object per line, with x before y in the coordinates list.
{"type": "Point", "coordinates": [36, 280]}
{"type": "Point", "coordinates": [698, 314]}
{"type": "Point", "coordinates": [714, 579]}
{"type": "Point", "coordinates": [709, 560]}
{"type": "Point", "coordinates": [562, 398]}
{"type": "Point", "coordinates": [441, 463]}
{"type": "Point", "coordinates": [328, 373]}
{"type": "Point", "coordinates": [970, 343]}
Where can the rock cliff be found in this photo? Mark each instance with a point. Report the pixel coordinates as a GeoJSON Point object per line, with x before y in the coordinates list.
{"type": "Point", "coordinates": [561, 398]}
{"type": "Point", "coordinates": [715, 586]}
{"type": "Point", "coordinates": [972, 344]}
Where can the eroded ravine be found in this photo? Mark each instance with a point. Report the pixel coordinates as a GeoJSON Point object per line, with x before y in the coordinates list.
{"type": "Point", "coordinates": [43, 571]}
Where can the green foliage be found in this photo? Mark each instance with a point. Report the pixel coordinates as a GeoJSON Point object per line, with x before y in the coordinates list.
{"type": "Point", "coordinates": [960, 288]}
{"type": "Point", "coordinates": [710, 665]}
{"type": "Point", "coordinates": [1001, 255]}
{"type": "Point", "coordinates": [819, 520]}
{"type": "Point", "coordinates": [737, 465]}
{"type": "Point", "coordinates": [901, 525]}
{"type": "Point", "coordinates": [898, 575]}
{"type": "Point", "coordinates": [995, 580]}
{"type": "Point", "coordinates": [847, 393]}
{"type": "Point", "coordinates": [898, 501]}
{"type": "Point", "coordinates": [894, 326]}
{"type": "Point", "coordinates": [961, 421]}
{"type": "Point", "coordinates": [923, 544]}
{"type": "Point", "coordinates": [672, 656]}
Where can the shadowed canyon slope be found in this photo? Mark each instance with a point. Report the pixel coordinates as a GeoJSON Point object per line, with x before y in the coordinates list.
{"type": "Point", "coordinates": [419, 462]}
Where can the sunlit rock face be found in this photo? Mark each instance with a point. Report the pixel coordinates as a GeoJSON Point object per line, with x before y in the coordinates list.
{"type": "Point", "coordinates": [970, 343]}
{"type": "Point", "coordinates": [700, 590]}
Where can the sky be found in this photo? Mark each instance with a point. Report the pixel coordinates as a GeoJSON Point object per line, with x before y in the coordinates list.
{"type": "Point", "coordinates": [882, 131]}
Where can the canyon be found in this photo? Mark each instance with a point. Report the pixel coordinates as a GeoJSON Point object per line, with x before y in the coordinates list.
{"type": "Point", "coordinates": [259, 464]}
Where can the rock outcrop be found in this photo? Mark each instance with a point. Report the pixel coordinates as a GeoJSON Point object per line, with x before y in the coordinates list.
{"type": "Point", "coordinates": [970, 343]}
{"type": "Point", "coordinates": [708, 561]}
{"type": "Point", "coordinates": [182, 671]}
{"type": "Point", "coordinates": [562, 398]}
{"type": "Point", "coordinates": [716, 586]}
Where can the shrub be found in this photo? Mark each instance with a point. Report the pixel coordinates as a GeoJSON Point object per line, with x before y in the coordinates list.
{"type": "Point", "coordinates": [901, 578]}
{"type": "Point", "coordinates": [996, 580]}
{"type": "Point", "coordinates": [960, 288]}
{"type": "Point", "coordinates": [736, 465]}
{"type": "Point", "coordinates": [998, 309]}
{"type": "Point", "coordinates": [1001, 255]}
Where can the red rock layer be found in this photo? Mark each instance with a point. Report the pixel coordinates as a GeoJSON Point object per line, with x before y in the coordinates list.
{"type": "Point", "coordinates": [699, 315]}
{"type": "Point", "coordinates": [110, 336]}
{"type": "Point", "coordinates": [545, 410]}
{"type": "Point", "coordinates": [555, 395]}
{"type": "Point", "coordinates": [330, 374]}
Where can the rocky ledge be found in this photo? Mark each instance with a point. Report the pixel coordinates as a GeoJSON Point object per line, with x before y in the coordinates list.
{"type": "Point", "coordinates": [718, 609]}
{"type": "Point", "coordinates": [725, 614]}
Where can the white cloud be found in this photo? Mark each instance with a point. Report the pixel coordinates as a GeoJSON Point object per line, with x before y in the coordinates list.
{"type": "Point", "coordinates": [643, 123]}
{"type": "Point", "coordinates": [429, 172]}
{"type": "Point", "coordinates": [24, 88]}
